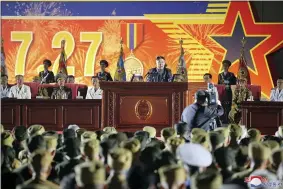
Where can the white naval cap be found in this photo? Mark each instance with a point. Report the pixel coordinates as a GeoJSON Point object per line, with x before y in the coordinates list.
{"type": "Point", "coordinates": [194, 154]}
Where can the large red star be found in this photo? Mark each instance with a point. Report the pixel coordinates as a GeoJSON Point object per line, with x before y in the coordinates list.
{"type": "Point", "coordinates": [272, 42]}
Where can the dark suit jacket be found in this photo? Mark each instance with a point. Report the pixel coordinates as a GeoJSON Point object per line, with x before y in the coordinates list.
{"type": "Point", "coordinates": [104, 76]}
{"type": "Point", "coordinates": [50, 78]}
{"type": "Point", "coordinates": [228, 79]}
{"type": "Point", "coordinates": [154, 76]}
{"type": "Point", "coordinates": [197, 116]}
{"type": "Point", "coordinates": [67, 167]}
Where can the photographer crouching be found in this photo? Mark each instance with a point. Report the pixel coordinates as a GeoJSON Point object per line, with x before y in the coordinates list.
{"type": "Point", "coordinates": [203, 112]}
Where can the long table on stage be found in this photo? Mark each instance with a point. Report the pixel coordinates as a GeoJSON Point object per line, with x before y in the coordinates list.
{"type": "Point", "coordinates": [53, 114]}
{"type": "Point", "coordinates": [262, 115]}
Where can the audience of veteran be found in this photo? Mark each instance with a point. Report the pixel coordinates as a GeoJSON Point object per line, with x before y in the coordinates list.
{"type": "Point", "coordinates": [5, 88]}
{"type": "Point", "coordinates": [160, 73]}
{"type": "Point", "coordinates": [46, 75]}
{"type": "Point", "coordinates": [277, 92]}
{"type": "Point", "coordinates": [94, 92]}
{"type": "Point", "coordinates": [20, 91]}
{"type": "Point", "coordinates": [85, 159]}
{"type": "Point", "coordinates": [61, 92]}
{"type": "Point", "coordinates": [104, 75]}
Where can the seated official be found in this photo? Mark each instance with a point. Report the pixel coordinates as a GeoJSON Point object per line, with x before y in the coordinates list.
{"type": "Point", "coordinates": [61, 92]}
{"type": "Point", "coordinates": [94, 92]}
{"type": "Point", "coordinates": [241, 93]}
{"type": "Point", "coordinates": [103, 75]}
{"type": "Point", "coordinates": [46, 75]}
{"type": "Point", "coordinates": [70, 79]}
{"type": "Point", "coordinates": [277, 92]}
{"type": "Point", "coordinates": [20, 91]}
{"type": "Point", "coordinates": [5, 88]}
{"type": "Point", "coordinates": [160, 73]}
{"type": "Point", "coordinates": [200, 114]}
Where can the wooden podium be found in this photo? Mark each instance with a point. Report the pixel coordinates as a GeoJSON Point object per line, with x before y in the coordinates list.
{"type": "Point", "coordinates": [129, 106]}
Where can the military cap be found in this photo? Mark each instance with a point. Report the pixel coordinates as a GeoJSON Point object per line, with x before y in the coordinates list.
{"type": "Point", "coordinates": [202, 139]}
{"type": "Point", "coordinates": [150, 130]}
{"type": "Point", "coordinates": [88, 135]}
{"type": "Point", "coordinates": [47, 62]}
{"type": "Point", "coordinates": [120, 159]}
{"type": "Point", "coordinates": [258, 151]}
{"type": "Point", "coordinates": [51, 142]}
{"type": "Point", "coordinates": [90, 173]}
{"type": "Point", "coordinates": [104, 62]}
{"type": "Point", "coordinates": [35, 143]}
{"type": "Point", "coordinates": [216, 139]}
{"type": "Point", "coordinates": [80, 132]}
{"type": "Point", "coordinates": [280, 131]}
{"type": "Point", "coordinates": [196, 131]}
{"type": "Point", "coordinates": [225, 131]}
{"type": "Point", "coordinates": [209, 179]}
{"type": "Point", "coordinates": [36, 129]}
{"type": "Point", "coordinates": [271, 144]}
{"type": "Point", "coordinates": [194, 154]}
{"type": "Point", "coordinates": [181, 128]}
{"type": "Point", "coordinates": [2, 128]}
{"type": "Point", "coordinates": [167, 133]}
{"type": "Point", "coordinates": [133, 145]}
{"type": "Point", "coordinates": [60, 76]}
{"type": "Point", "coordinates": [7, 139]}
{"type": "Point", "coordinates": [74, 127]}
{"type": "Point", "coordinates": [69, 133]}
{"type": "Point", "coordinates": [51, 133]}
{"type": "Point", "coordinates": [109, 130]}
{"type": "Point", "coordinates": [254, 135]}
{"type": "Point", "coordinates": [277, 157]}
{"type": "Point", "coordinates": [235, 131]}
{"type": "Point", "coordinates": [119, 137]}
{"type": "Point", "coordinates": [41, 160]}
{"type": "Point", "coordinates": [172, 174]}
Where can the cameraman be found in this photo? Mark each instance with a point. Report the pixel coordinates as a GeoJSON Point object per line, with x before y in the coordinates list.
{"type": "Point", "coordinates": [201, 114]}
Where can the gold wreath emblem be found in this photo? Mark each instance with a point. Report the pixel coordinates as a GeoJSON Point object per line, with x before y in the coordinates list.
{"type": "Point", "coordinates": [143, 109]}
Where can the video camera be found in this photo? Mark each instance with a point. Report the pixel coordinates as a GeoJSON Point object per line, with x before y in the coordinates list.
{"type": "Point", "coordinates": [211, 95]}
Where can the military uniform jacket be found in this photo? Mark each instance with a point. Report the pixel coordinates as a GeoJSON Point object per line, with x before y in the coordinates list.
{"type": "Point", "coordinates": [61, 93]}
{"type": "Point", "coordinates": [93, 93]}
{"type": "Point", "coordinates": [37, 183]}
{"type": "Point", "coordinates": [20, 93]}
{"type": "Point", "coordinates": [48, 76]}
{"type": "Point", "coordinates": [241, 94]}
{"type": "Point", "coordinates": [104, 76]}
{"type": "Point", "coordinates": [154, 76]}
{"type": "Point", "coordinates": [276, 95]}
{"type": "Point", "coordinates": [4, 91]}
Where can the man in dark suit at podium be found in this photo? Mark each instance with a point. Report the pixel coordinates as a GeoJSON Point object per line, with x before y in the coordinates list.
{"type": "Point", "coordinates": [46, 75]}
{"type": "Point", "coordinates": [160, 73]}
{"type": "Point", "coordinates": [226, 78]}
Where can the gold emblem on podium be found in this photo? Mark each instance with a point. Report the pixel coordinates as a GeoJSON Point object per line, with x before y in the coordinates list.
{"type": "Point", "coordinates": [143, 109]}
{"type": "Point", "coordinates": [132, 66]}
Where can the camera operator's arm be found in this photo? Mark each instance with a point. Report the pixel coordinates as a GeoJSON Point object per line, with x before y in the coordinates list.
{"type": "Point", "coordinates": [214, 111]}
{"type": "Point", "coordinates": [188, 115]}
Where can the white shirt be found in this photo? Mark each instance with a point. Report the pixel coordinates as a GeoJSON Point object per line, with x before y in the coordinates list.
{"type": "Point", "coordinates": [23, 93]}
{"type": "Point", "coordinates": [276, 95]}
{"type": "Point", "coordinates": [94, 94]}
{"type": "Point", "coordinates": [4, 91]}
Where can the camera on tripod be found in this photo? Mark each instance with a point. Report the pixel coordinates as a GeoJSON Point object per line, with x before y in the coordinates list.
{"type": "Point", "coordinates": [211, 95]}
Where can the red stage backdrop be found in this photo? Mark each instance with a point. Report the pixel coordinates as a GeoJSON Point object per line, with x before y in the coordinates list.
{"type": "Point", "coordinates": [211, 31]}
